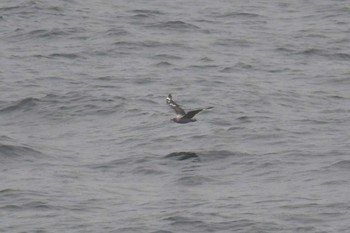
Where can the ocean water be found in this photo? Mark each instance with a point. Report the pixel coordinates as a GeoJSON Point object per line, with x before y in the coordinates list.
{"type": "Point", "coordinates": [86, 141]}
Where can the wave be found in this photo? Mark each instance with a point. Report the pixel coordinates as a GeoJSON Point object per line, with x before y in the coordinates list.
{"type": "Point", "coordinates": [10, 152]}
{"type": "Point", "coordinates": [24, 104]}
{"type": "Point", "coordinates": [27, 7]}
{"type": "Point", "coordinates": [325, 54]}
{"type": "Point", "coordinates": [163, 64]}
{"type": "Point", "coordinates": [183, 156]}
{"type": "Point", "coordinates": [33, 205]}
{"type": "Point", "coordinates": [237, 15]}
{"type": "Point", "coordinates": [236, 67]}
{"type": "Point", "coordinates": [65, 105]}
{"type": "Point", "coordinates": [146, 13]}
{"type": "Point", "coordinates": [54, 33]}
{"type": "Point", "coordinates": [64, 55]}
{"type": "Point", "coordinates": [344, 164]}
{"type": "Point", "coordinates": [167, 56]}
{"type": "Point", "coordinates": [162, 231]}
{"type": "Point", "coordinates": [146, 44]}
{"type": "Point", "coordinates": [241, 43]}
{"type": "Point", "coordinates": [116, 32]}
{"type": "Point", "coordinates": [203, 155]}
{"type": "Point", "coordinates": [174, 25]}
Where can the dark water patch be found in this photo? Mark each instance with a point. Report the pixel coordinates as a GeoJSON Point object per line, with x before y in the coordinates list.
{"type": "Point", "coordinates": [147, 12]}
{"type": "Point", "coordinates": [65, 55]}
{"type": "Point", "coordinates": [313, 121]}
{"type": "Point", "coordinates": [344, 164]}
{"type": "Point", "coordinates": [26, 9]}
{"type": "Point", "coordinates": [145, 81]}
{"type": "Point", "coordinates": [30, 206]}
{"type": "Point", "coordinates": [4, 138]}
{"type": "Point", "coordinates": [237, 15]}
{"type": "Point", "coordinates": [36, 205]}
{"type": "Point", "coordinates": [77, 104]}
{"type": "Point", "coordinates": [9, 152]}
{"type": "Point", "coordinates": [183, 221]}
{"type": "Point", "coordinates": [234, 128]}
{"type": "Point", "coordinates": [57, 32]}
{"type": "Point", "coordinates": [241, 43]}
{"type": "Point", "coordinates": [8, 192]}
{"type": "Point", "coordinates": [206, 59]}
{"type": "Point", "coordinates": [147, 171]}
{"type": "Point", "coordinates": [163, 64]}
{"type": "Point", "coordinates": [237, 67]}
{"type": "Point", "coordinates": [183, 156]}
{"type": "Point", "coordinates": [201, 67]}
{"type": "Point", "coordinates": [132, 45]}
{"type": "Point", "coordinates": [286, 50]}
{"type": "Point", "coordinates": [175, 25]}
{"type": "Point", "coordinates": [312, 52]}
{"type": "Point", "coordinates": [183, 224]}
{"type": "Point", "coordinates": [244, 119]}
{"type": "Point", "coordinates": [313, 35]}
{"type": "Point", "coordinates": [220, 154]}
{"type": "Point", "coordinates": [339, 205]}
{"type": "Point", "coordinates": [325, 54]}
{"type": "Point", "coordinates": [124, 164]}
{"type": "Point", "coordinates": [337, 97]}
{"type": "Point", "coordinates": [131, 229]}
{"type": "Point", "coordinates": [24, 105]}
{"type": "Point", "coordinates": [141, 16]}
{"type": "Point", "coordinates": [107, 78]}
{"type": "Point", "coordinates": [335, 183]}
{"type": "Point", "coordinates": [340, 56]}
{"type": "Point", "coordinates": [162, 231]}
{"type": "Point", "coordinates": [157, 44]}
{"type": "Point", "coordinates": [116, 32]}
{"type": "Point", "coordinates": [10, 207]}
{"type": "Point", "coordinates": [203, 156]}
{"type": "Point", "coordinates": [167, 57]}
{"type": "Point", "coordinates": [228, 70]}
{"type": "Point", "coordinates": [345, 80]}
{"type": "Point", "coordinates": [9, 8]}
{"type": "Point", "coordinates": [193, 180]}
{"type": "Point", "coordinates": [20, 194]}
{"type": "Point", "coordinates": [68, 104]}
{"type": "Point", "coordinates": [45, 33]}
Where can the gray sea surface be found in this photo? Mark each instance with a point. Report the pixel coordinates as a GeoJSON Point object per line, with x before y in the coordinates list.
{"type": "Point", "coordinates": [86, 140]}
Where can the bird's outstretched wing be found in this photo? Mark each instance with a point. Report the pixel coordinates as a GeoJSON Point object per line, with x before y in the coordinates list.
{"type": "Point", "coordinates": [191, 114]}
{"type": "Point", "coordinates": [175, 106]}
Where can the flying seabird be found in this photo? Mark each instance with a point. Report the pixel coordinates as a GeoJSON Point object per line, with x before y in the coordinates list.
{"type": "Point", "coordinates": [181, 115]}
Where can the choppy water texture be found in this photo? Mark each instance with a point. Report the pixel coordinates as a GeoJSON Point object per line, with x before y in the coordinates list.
{"type": "Point", "coordinates": [86, 141]}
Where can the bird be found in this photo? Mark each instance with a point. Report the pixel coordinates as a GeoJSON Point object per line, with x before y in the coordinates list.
{"type": "Point", "coordinates": [181, 116]}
